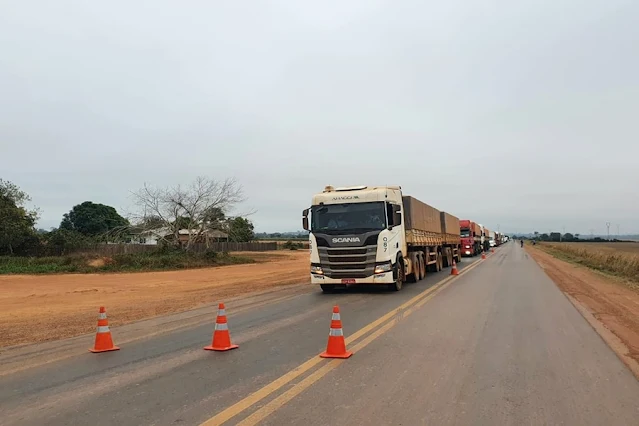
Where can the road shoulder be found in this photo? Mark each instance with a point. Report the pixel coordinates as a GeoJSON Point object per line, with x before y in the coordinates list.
{"type": "Point", "coordinates": [609, 307]}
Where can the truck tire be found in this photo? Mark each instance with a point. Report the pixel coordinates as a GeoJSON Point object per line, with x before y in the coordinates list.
{"type": "Point", "coordinates": [399, 276]}
{"type": "Point", "coordinates": [414, 260]}
{"type": "Point", "coordinates": [433, 266]}
{"type": "Point", "coordinates": [447, 258]}
{"type": "Point", "coordinates": [327, 288]}
{"type": "Point", "coordinates": [422, 267]}
{"type": "Point", "coordinates": [440, 261]}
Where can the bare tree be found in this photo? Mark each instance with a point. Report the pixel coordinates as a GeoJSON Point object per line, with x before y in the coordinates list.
{"type": "Point", "coordinates": [196, 207]}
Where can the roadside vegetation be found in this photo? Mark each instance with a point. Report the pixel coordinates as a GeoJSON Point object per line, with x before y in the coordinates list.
{"type": "Point", "coordinates": [185, 224]}
{"type": "Point", "coordinates": [131, 262]}
{"type": "Point", "coordinates": [618, 259]}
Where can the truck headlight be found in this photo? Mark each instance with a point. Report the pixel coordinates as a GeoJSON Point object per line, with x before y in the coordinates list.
{"type": "Point", "coordinates": [466, 246]}
{"type": "Point", "coordinates": [317, 269]}
{"type": "Point", "coordinates": [380, 268]}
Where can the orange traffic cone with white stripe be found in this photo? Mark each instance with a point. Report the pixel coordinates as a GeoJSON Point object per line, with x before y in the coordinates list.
{"type": "Point", "coordinates": [454, 271]}
{"type": "Point", "coordinates": [221, 336]}
{"type": "Point", "coordinates": [103, 340]}
{"type": "Point", "coordinates": [483, 255]}
{"type": "Point", "coordinates": [492, 250]}
{"type": "Point", "coordinates": [336, 347]}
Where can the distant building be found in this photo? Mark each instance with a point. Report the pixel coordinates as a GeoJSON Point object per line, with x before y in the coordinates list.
{"type": "Point", "coordinates": [154, 236]}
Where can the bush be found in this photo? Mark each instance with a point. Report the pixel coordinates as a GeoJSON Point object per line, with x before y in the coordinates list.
{"type": "Point", "coordinates": [131, 262]}
{"type": "Point", "coordinates": [290, 245]}
{"type": "Point", "coordinates": [211, 254]}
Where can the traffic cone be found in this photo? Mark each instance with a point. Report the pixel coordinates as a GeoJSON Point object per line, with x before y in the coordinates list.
{"type": "Point", "coordinates": [336, 347]}
{"type": "Point", "coordinates": [483, 255]}
{"type": "Point", "coordinates": [103, 340]}
{"type": "Point", "coordinates": [492, 250]}
{"type": "Point", "coordinates": [221, 336]}
{"type": "Point", "coordinates": [454, 271]}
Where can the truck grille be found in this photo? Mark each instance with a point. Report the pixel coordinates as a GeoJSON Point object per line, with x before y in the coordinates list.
{"type": "Point", "coordinates": [348, 262]}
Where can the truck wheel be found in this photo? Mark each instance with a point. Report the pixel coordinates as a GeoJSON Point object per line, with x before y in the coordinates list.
{"type": "Point", "coordinates": [440, 261]}
{"type": "Point", "coordinates": [422, 267]}
{"type": "Point", "coordinates": [414, 277]}
{"type": "Point", "coordinates": [399, 277]}
{"type": "Point", "coordinates": [432, 267]}
{"type": "Point", "coordinates": [327, 288]}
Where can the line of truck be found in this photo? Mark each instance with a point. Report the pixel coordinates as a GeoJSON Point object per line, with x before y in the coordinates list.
{"type": "Point", "coordinates": [476, 238]}
{"type": "Point", "coordinates": [376, 235]}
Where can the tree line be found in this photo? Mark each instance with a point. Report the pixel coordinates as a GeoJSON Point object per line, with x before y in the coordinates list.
{"type": "Point", "coordinates": [162, 213]}
{"type": "Point", "coordinates": [559, 237]}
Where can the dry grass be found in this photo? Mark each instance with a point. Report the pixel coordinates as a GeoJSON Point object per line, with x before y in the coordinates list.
{"type": "Point", "coordinates": [619, 259]}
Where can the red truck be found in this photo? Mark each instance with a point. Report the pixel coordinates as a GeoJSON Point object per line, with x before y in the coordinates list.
{"type": "Point", "coordinates": [470, 238]}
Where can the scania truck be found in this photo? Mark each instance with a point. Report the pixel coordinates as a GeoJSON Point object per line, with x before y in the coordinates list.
{"type": "Point", "coordinates": [376, 236]}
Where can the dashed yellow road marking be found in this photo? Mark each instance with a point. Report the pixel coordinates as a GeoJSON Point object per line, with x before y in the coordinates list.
{"type": "Point", "coordinates": [408, 307]}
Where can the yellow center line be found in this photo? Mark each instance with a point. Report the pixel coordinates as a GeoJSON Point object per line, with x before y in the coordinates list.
{"type": "Point", "coordinates": [284, 398]}
{"type": "Point", "coordinates": [277, 384]}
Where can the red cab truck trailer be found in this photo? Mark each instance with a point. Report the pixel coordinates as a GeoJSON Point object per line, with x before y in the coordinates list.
{"type": "Point", "coordinates": [470, 233]}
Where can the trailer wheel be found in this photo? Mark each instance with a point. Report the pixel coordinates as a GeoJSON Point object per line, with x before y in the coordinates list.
{"type": "Point", "coordinates": [440, 261]}
{"type": "Point", "coordinates": [433, 266]}
{"type": "Point", "coordinates": [422, 267]}
{"type": "Point", "coordinates": [447, 258]}
{"type": "Point", "coordinates": [327, 288]}
{"type": "Point", "coordinates": [414, 260]}
{"type": "Point", "coordinates": [399, 276]}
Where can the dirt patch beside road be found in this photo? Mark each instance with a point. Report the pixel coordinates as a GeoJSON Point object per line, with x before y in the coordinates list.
{"type": "Point", "coordinates": [607, 298]}
{"type": "Point", "coordinates": [35, 308]}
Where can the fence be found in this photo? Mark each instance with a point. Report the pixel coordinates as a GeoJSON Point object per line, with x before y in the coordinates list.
{"type": "Point", "coordinates": [113, 249]}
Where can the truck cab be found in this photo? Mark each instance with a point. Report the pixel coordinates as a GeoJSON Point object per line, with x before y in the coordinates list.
{"type": "Point", "coordinates": [356, 236]}
{"type": "Point", "coordinates": [470, 238]}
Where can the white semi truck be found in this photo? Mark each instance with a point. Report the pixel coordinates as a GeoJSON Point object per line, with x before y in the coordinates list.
{"type": "Point", "coordinates": [378, 236]}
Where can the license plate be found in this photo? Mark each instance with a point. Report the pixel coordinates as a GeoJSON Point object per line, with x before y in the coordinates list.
{"type": "Point", "coordinates": [348, 281]}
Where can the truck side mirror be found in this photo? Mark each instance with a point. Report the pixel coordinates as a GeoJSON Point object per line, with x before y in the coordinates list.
{"type": "Point", "coordinates": [397, 216]}
{"type": "Point", "coordinates": [305, 219]}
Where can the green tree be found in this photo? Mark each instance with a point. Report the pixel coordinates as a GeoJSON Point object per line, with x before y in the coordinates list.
{"type": "Point", "coordinates": [240, 230]}
{"type": "Point", "coordinates": [92, 219]}
{"type": "Point", "coordinates": [568, 237]}
{"type": "Point", "coordinates": [17, 223]}
{"type": "Point", "coordinates": [214, 218]}
{"type": "Point", "coordinates": [544, 237]}
{"type": "Point", "coordinates": [182, 222]}
{"type": "Point", "coordinates": [60, 241]}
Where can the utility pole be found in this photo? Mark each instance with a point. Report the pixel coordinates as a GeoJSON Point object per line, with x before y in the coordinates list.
{"type": "Point", "coordinates": [617, 231]}
{"type": "Point", "coordinates": [608, 226]}
{"type": "Point", "coordinates": [592, 233]}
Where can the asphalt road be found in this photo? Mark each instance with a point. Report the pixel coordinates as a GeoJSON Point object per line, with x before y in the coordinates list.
{"type": "Point", "coordinates": [499, 344]}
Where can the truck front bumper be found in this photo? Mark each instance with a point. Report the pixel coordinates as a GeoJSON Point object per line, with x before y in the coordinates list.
{"type": "Point", "coordinates": [385, 278]}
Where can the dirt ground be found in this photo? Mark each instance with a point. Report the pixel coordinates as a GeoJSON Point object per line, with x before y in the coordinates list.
{"type": "Point", "coordinates": [611, 302]}
{"type": "Point", "coordinates": [35, 308]}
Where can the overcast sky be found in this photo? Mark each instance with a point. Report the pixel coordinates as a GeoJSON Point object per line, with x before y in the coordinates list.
{"type": "Point", "coordinates": [518, 113]}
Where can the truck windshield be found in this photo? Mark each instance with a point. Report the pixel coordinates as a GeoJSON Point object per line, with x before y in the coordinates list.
{"type": "Point", "coordinates": [465, 232]}
{"type": "Point", "coordinates": [350, 217]}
